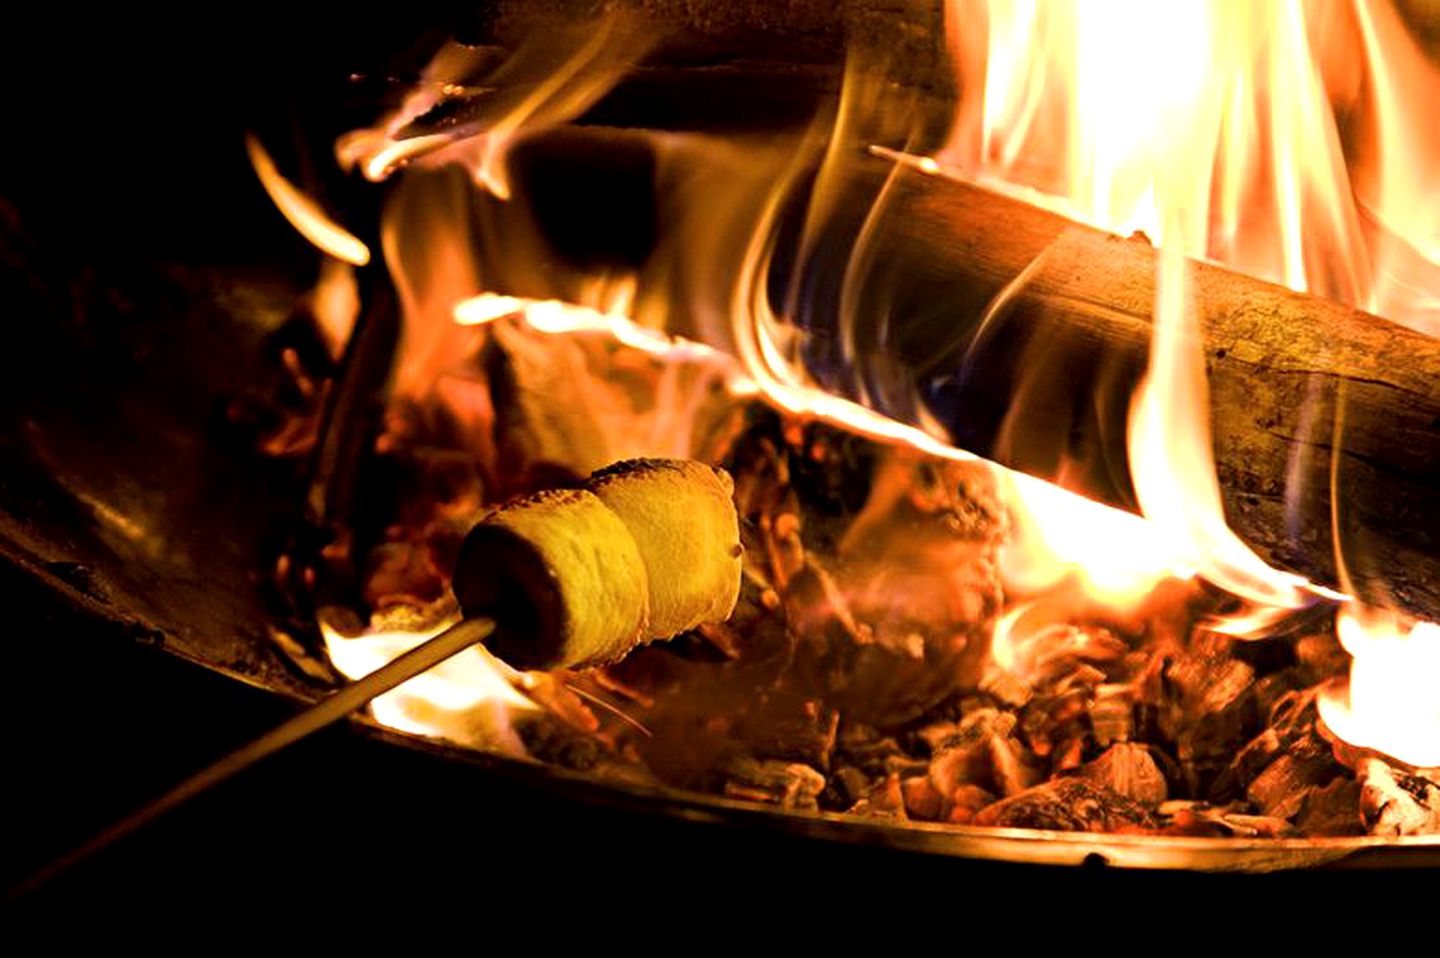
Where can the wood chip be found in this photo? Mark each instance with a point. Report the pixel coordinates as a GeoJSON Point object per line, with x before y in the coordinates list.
{"type": "Point", "coordinates": [1395, 802]}
{"type": "Point", "coordinates": [1131, 771]}
{"type": "Point", "coordinates": [1070, 804]}
{"type": "Point", "coordinates": [787, 784]}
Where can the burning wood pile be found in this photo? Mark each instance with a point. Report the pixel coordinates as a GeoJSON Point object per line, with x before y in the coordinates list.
{"type": "Point", "coordinates": [876, 663]}
{"type": "Point", "coordinates": [921, 635]}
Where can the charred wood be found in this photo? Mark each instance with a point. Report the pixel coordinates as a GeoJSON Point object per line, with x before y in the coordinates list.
{"type": "Point", "coordinates": [787, 784]}
{"type": "Point", "coordinates": [1280, 790]}
{"type": "Point", "coordinates": [1397, 802]}
{"type": "Point", "coordinates": [1129, 770]}
{"type": "Point", "coordinates": [1069, 804]}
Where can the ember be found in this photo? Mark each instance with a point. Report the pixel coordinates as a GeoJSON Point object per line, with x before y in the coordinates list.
{"type": "Point", "coordinates": [920, 635]}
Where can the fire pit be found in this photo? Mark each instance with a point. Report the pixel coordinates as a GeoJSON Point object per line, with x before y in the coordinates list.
{"type": "Point", "coordinates": [931, 652]}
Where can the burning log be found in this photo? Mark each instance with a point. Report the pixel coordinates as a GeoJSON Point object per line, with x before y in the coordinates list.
{"type": "Point", "coordinates": [1044, 384]}
{"type": "Point", "coordinates": [706, 64]}
{"type": "Point", "coordinates": [1025, 335]}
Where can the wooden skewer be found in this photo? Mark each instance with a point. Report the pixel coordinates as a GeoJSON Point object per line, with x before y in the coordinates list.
{"type": "Point", "coordinates": [326, 712]}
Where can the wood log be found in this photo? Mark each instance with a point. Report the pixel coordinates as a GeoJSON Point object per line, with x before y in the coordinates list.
{"type": "Point", "coordinates": [901, 266]}
{"type": "Point", "coordinates": [1046, 386]}
{"type": "Point", "coordinates": [704, 65]}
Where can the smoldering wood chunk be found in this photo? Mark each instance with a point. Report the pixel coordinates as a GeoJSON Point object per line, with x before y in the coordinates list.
{"type": "Point", "coordinates": [1291, 719]}
{"type": "Point", "coordinates": [1395, 802]}
{"type": "Point", "coordinates": [1050, 657]}
{"type": "Point", "coordinates": [898, 618]}
{"type": "Point", "coordinates": [1332, 810]}
{"type": "Point", "coordinates": [1204, 685]}
{"type": "Point", "coordinates": [1066, 667]}
{"type": "Point", "coordinates": [922, 801]}
{"type": "Point", "coordinates": [876, 755]}
{"type": "Point", "coordinates": [930, 738]}
{"type": "Point", "coordinates": [1055, 725]}
{"type": "Point", "coordinates": [556, 742]}
{"type": "Point", "coordinates": [1069, 804]}
{"type": "Point", "coordinates": [982, 753]}
{"type": "Point", "coordinates": [1005, 687]}
{"type": "Point", "coordinates": [1203, 820]}
{"type": "Point", "coordinates": [790, 727]}
{"type": "Point", "coordinates": [851, 785]}
{"type": "Point", "coordinates": [884, 799]}
{"type": "Point", "coordinates": [1208, 707]}
{"type": "Point", "coordinates": [1249, 762]}
{"type": "Point", "coordinates": [1281, 789]}
{"type": "Point", "coordinates": [967, 802]}
{"type": "Point", "coordinates": [775, 781]}
{"type": "Point", "coordinates": [1321, 657]}
{"type": "Point", "coordinates": [1130, 770]}
{"type": "Point", "coordinates": [1112, 714]}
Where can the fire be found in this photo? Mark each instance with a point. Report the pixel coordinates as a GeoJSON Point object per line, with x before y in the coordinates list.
{"type": "Point", "coordinates": [1118, 557]}
{"type": "Point", "coordinates": [548, 81]}
{"type": "Point", "coordinates": [1173, 463]}
{"type": "Point", "coordinates": [1286, 140]}
{"type": "Point", "coordinates": [1220, 131]}
{"type": "Point", "coordinates": [470, 698]}
{"type": "Point", "coordinates": [1390, 703]}
{"type": "Point", "coordinates": [556, 317]}
{"type": "Point", "coordinates": [304, 213]}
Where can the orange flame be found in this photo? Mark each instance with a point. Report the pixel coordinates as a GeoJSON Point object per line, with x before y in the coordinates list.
{"type": "Point", "coordinates": [548, 80]}
{"type": "Point", "coordinates": [1288, 140]}
{"type": "Point", "coordinates": [304, 213]}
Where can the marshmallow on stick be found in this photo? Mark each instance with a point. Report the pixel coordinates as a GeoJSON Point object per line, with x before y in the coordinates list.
{"type": "Point", "coordinates": [649, 549]}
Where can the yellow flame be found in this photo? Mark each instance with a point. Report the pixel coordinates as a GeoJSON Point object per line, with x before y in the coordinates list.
{"type": "Point", "coordinates": [1117, 556]}
{"type": "Point", "coordinates": [335, 303]}
{"type": "Point", "coordinates": [547, 80]}
{"type": "Point", "coordinates": [1172, 458]}
{"type": "Point", "coordinates": [304, 213]}
{"type": "Point", "coordinates": [1233, 111]}
{"type": "Point", "coordinates": [555, 316]}
{"type": "Point", "coordinates": [1391, 703]}
{"type": "Point", "coordinates": [1211, 126]}
{"type": "Point", "coordinates": [469, 698]}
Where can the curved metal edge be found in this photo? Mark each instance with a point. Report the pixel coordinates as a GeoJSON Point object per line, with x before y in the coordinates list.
{"type": "Point", "coordinates": [1013, 845]}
